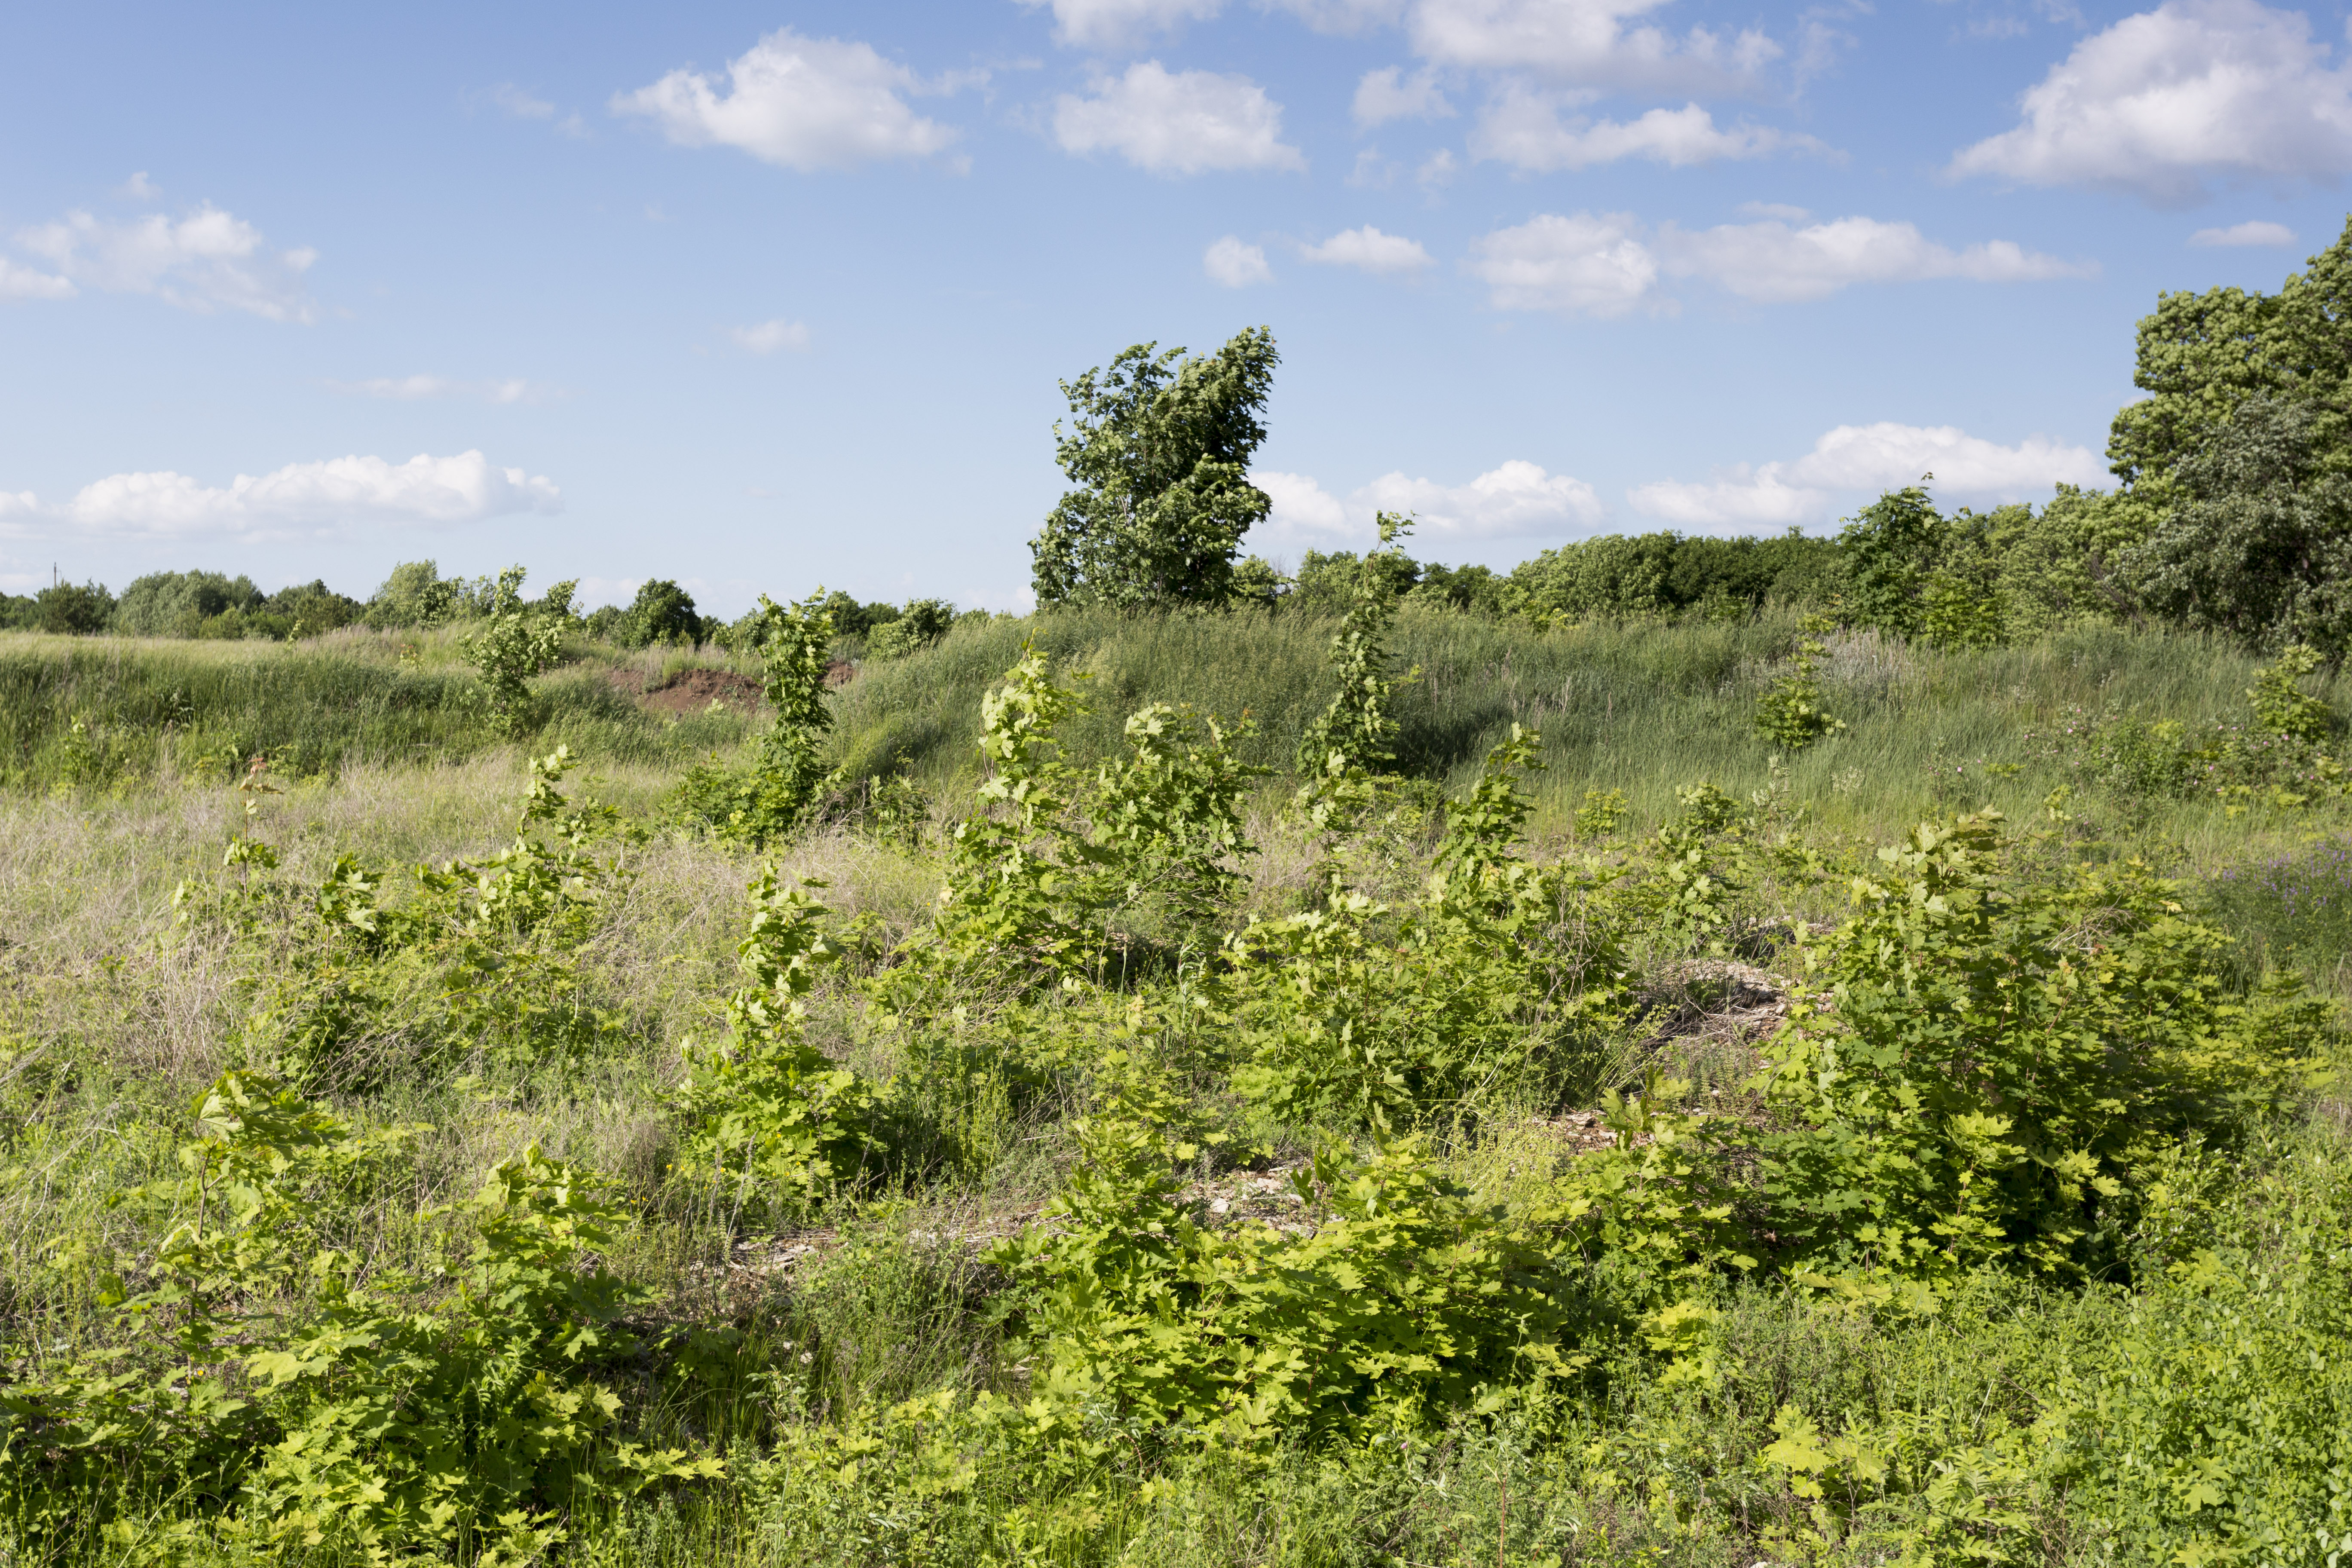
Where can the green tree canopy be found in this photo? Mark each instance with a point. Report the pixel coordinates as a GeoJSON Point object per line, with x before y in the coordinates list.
{"type": "Point", "coordinates": [1159, 450]}
{"type": "Point", "coordinates": [2202, 356]}
{"type": "Point", "coordinates": [661, 612]}
{"type": "Point", "coordinates": [172, 603]}
{"type": "Point", "coordinates": [2261, 548]}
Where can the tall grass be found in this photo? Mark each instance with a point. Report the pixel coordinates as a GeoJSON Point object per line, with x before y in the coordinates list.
{"type": "Point", "coordinates": [1643, 707]}
{"type": "Point", "coordinates": [112, 1018]}
{"type": "Point", "coordinates": [153, 708]}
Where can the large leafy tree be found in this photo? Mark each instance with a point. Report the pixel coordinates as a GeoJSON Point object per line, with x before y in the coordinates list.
{"type": "Point", "coordinates": [2261, 548]}
{"type": "Point", "coordinates": [1159, 450]}
{"type": "Point", "coordinates": [2202, 356]}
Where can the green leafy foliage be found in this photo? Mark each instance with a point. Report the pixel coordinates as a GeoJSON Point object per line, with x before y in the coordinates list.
{"type": "Point", "coordinates": [2201, 357]}
{"type": "Point", "coordinates": [518, 641]}
{"type": "Point", "coordinates": [1356, 1015]}
{"type": "Point", "coordinates": [662, 612]}
{"type": "Point", "coordinates": [1619, 577]}
{"type": "Point", "coordinates": [2000, 1063]}
{"type": "Point", "coordinates": [1159, 450]}
{"type": "Point", "coordinates": [308, 1400]}
{"type": "Point", "coordinates": [479, 957]}
{"type": "Point", "coordinates": [68, 609]}
{"type": "Point", "coordinates": [1789, 712]}
{"type": "Point", "coordinates": [1354, 738]}
{"type": "Point", "coordinates": [1404, 1299]}
{"type": "Point", "coordinates": [922, 623]}
{"type": "Point", "coordinates": [2284, 708]}
{"type": "Point", "coordinates": [767, 1122]}
{"type": "Point", "coordinates": [1166, 818]}
{"type": "Point", "coordinates": [1914, 572]}
{"type": "Point", "coordinates": [778, 794]}
{"type": "Point", "coordinates": [2259, 544]}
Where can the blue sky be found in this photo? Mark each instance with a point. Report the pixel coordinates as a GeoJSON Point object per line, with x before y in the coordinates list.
{"type": "Point", "coordinates": [759, 297]}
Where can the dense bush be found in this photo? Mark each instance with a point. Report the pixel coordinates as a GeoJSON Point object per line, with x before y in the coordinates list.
{"type": "Point", "coordinates": [64, 608]}
{"type": "Point", "coordinates": [301, 1392]}
{"type": "Point", "coordinates": [1159, 454]}
{"type": "Point", "coordinates": [416, 594]}
{"type": "Point", "coordinates": [1667, 573]}
{"type": "Point", "coordinates": [175, 604]}
{"type": "Point", "coordinates": [921, 623]}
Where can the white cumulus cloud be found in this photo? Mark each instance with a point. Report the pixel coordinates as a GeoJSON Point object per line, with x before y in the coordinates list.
{"type": "Point", "coordinates": [2252, 233]}
{"type": "Point", "coordinates": [1389, 94]}
{"type": "Point", "coordinates": [1370, 250]}
{"type": "Point", "coordinates": [1775, 261]}
{"type": "Point", "coordinates": [1742, 498]}
{"type": "Point", "coordinates": [208, 260]}
{"type": "Point", "coordinates": [801, 103]}
{"type": "Point", "coordinates": [419, 388]}
{"type": "Point", "coordinates": [2163, 102]}
{"type": "Point", "coordinates": [767, 337]}
{"type": "Point", "coordinates": [1524, 128]}
{"type": "Point", "coordinates": [1579, 266]}
{"type": "Point", "coordinates": [1177, 122]}
{"type": "Point", "coordinates": [1237, 265]}
{"type": "Point", "coordinates": [315, 499]}
{"type": "Point", "coordinates": [1303, 511]}
{"type": "Point", "coordinates": [29, 283]}
{"type": "Point", "coordinates": [1609, 265]}
{"type": "Point", "coordinates": [1515, 500]}
{"type": "Point", "coordinates": [1588, 42]}
{"type": "Point", "coordinates": [1870, 458]}
{"type": "Point", "coordinates": [1122, 24]}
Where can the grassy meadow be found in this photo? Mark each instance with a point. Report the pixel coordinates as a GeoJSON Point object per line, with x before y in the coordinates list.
{"type": "Point", "coordinates": [829, 1315]}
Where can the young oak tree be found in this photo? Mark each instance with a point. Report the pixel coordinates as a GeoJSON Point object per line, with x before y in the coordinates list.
{"type": "Point", "coordinates": [1160, 450]}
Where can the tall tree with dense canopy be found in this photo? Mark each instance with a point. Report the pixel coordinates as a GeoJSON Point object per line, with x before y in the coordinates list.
{"type": "Point", "coordinates": [2202, 356]}
{"type": "Point", "coordinates": [1159, 450]}
{"type": "Point", "coordinates": [2261, 549]}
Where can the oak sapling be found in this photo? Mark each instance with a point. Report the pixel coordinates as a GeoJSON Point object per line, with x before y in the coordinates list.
{"type": "Point", "coordinates": [518, 640]}
{"type": "Point", "coordinates": [1789, 712]}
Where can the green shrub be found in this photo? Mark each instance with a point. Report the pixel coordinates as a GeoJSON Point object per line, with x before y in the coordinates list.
{"type": "Point", "coordinates": [2283, 707]}
{"type": "Point", "coordinates": [1357, 1016]}
{"type": "Point", "coordinates": [1789, 712]}
{"type": "Point", "coordinates": [176, 604]}
{"type": "Point", "coordinates": [1356, 735]}
{"type": "Point", "coordinates": [416, 594]}
{"type": "Point", "coordinates": [1404, 1300]}
{"type": "Point", "coordinates": [301, 1396]}
{"type": "Point", "coordinates": [72, 611]}
{"type": "Point", "coordinates": [480, 956]}
{"type": "Point", "coordinates": [519, 641]}
{"type": "Point", "coordinates": [2004, 1063]}
{"type": "Point", "coordinates": [922, 623]}
{"type": "Point", "coordinates": [777, 794]}
{"type": "Point", "coordinates": [768, 1124]}
{"type": "Point", "coordinates": [662, 612]}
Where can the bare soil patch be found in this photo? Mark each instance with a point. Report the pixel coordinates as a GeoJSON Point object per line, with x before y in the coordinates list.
{"type": "Point", "coordinates": [690, 691]}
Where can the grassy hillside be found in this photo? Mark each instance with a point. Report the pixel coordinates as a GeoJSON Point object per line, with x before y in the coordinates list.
{"type": "Point", "coordinates": [1645, 708]}
{"type": "Point", "coordinates": [160, 708]}
{"type": "Point", "coordinates": [567, 1207]}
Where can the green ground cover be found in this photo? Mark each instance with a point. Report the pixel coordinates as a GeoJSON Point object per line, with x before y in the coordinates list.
{"type": "Point", "coordinates": [1094, 1150]}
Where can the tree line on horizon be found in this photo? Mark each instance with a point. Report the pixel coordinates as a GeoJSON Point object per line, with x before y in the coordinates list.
{"type": "Point", "coordinates": [2232, 514]}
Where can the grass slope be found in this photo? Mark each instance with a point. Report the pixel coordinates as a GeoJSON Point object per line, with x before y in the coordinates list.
{"type": "Point", "coordinates": [2040, 1424]}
